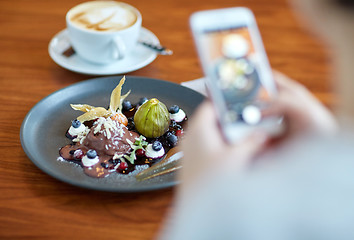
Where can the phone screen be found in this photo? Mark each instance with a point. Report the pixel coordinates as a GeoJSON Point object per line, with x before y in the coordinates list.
{"type": "Point", "coordinates": [233, 64]}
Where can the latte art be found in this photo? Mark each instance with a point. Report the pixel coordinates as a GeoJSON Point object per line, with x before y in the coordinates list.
{"type": "Point", "coordinates": [103, 16]}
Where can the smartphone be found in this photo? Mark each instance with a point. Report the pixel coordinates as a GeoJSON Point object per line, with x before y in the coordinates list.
{"type": "Point", "coordinates": [237, 72]}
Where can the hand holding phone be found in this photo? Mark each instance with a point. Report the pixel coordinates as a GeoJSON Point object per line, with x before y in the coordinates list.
{"type": "Point", "coordinates": [237, 71]}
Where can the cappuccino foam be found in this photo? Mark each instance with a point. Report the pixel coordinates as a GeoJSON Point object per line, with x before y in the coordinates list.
{"type": "Point", "coordinates": [103, 16]}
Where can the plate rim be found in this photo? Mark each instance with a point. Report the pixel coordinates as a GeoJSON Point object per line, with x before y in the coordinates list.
{"type": "Point", "coordinates": [53, 174]}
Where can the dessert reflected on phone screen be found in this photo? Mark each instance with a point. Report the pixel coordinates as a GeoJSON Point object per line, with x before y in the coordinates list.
{"type": "Point", "coordinates": [233, 62]}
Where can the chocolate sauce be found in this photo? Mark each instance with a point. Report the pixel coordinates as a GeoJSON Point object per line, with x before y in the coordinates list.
{"type": "Point", "coordinates": [107, 165]}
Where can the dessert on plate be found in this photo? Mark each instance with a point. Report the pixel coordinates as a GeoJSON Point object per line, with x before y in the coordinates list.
{"type": "Point", "coordinates": [117, 139]}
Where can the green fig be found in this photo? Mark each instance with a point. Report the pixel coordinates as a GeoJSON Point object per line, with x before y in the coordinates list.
{"type": "Point", "coordinates": [152, 119]}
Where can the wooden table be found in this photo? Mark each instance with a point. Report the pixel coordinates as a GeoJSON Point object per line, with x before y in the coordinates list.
{"type": "Point", "coordinates": [33, 205]}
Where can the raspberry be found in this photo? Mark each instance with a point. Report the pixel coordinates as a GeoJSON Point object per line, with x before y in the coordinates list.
{"type": "Point", "coordinates": [179, 132]}
{"type": "Point", "coordinates": [123, 166]}
{"type": "Point", "coordinates": [78, 154]}
{"type": "Point", "coordinates": [140, 152]}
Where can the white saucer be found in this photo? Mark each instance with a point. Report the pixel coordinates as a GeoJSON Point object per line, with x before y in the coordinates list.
{"type": "Point", "coordinates": [139, 58]}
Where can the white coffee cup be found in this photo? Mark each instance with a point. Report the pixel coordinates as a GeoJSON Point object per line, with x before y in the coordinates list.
{"type": "Point", "coordinates": [103, 31]}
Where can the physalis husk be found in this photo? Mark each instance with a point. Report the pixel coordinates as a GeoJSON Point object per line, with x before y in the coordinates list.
{"type": "Point", "coordinates": [115, 106]}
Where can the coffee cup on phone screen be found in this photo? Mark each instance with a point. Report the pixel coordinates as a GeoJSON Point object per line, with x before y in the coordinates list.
{"type": "Point", "coordinates": [103, 32]}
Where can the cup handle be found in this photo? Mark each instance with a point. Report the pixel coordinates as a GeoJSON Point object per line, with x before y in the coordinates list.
{"type": "Point", "coordinates": [118, 48]}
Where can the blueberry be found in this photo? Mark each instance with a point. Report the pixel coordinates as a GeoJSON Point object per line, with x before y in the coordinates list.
{"type": "Point", "coordinates": [143, 100]}
{"type": "Point", "coordinates": [75, 123]}
{"type": "Point", "coordinates": [172, 139]}
{"type": "Point", "coordinates": [157, 146]}
{"type": "Point", "coordinates": [127, 105]}
{"type": "Point", "coordinates": [91, 153]}
{"type": "Point", "coordinates": [105, 165]}
{"type": "Point", "coordinates": [174, 109]}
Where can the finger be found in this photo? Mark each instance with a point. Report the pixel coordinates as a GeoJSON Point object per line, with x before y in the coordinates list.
{"type": "Point", "coordinates": [304, 113]}
{"type": "Point", "coordinates": [203, 111]}
{"type": "Point", "coordinates": [204, 126]}
{"type": "Point", "coordinates": [284, 83]}
{"type": "Point", "coordinates": [204, 118]}
{"type": "Point", "coordinates": [253, 143]}
{"type": "Point", "coordinates": [285, 106]}
{"type": "Point", "coordinates": [246, 150]}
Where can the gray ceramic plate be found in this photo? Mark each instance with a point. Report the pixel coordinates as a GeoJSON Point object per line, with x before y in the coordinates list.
{"type": "Point", "coordinates": [43, 129]}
